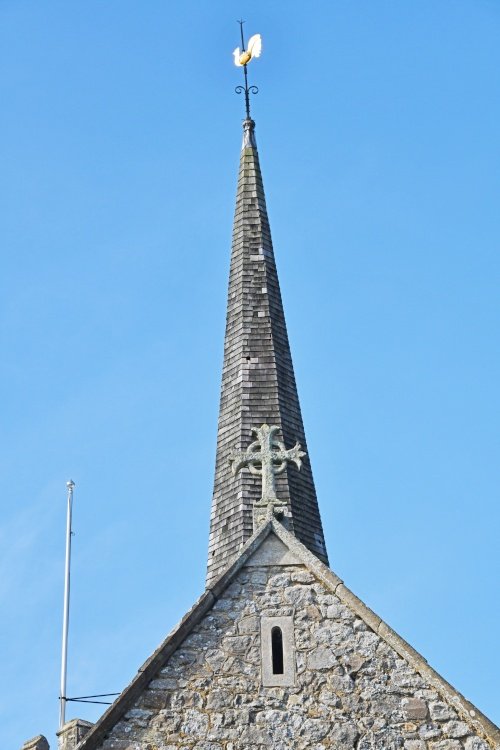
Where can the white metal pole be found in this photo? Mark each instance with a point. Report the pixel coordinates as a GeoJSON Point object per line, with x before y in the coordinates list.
{"type": "Point", "coordinates": [64, 657]}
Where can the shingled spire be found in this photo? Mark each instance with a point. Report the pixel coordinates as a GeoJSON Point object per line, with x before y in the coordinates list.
{"type": "Point", "coordinates": [258, 382]}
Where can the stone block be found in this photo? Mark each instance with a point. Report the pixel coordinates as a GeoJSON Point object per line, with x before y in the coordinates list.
{"type": "Point", "coordinates": [195, 724]}
{"type": "Point", "coordinates": [298, 595]}
{"type": "Point", "coordinates": [475, 743]}
{"type": "Point", "coordinates": [303, 576]}
{"type": "Point", "coordinates": [344, 736]}
{"type": "Point", "coordinates": [314, 730]}
{"type": "Point", "coordinates": [321, 658]}
{"type": "Point", "coordinates": [354, 662]}
{"type": "Point", "coordinates": [384, 739]}
{"type": "Point", "coordinates": [248, 625]}
{"type": "Point", "coordinates": [456, 729]}
{"type": "Point", "coordinates": [236, 644]}
{"type": "Point", "coordinates": [415, 745]}
{"type": "Point", "coordinates": [429, 731]}
{"type": "Point", "coordinates": [279, 581]}
{"type": "Point", "coordinates": [441, 711]}
{"type": "Point", "coordinates": [446, 745]}
{"type": "Point", "coordinates": [414, 708]}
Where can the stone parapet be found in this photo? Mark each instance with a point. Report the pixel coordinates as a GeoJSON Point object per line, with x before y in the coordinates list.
{"type": "Point", "coordinates": [36, 743]}
{"type": "Point", "coordinates": [71, 733]}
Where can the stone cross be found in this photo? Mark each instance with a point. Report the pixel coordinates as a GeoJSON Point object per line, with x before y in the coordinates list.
{"type": "Point", "coordinates": [267, 457]}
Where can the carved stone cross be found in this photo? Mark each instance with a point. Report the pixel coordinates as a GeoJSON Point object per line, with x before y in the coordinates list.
{"type": "Point", "coordinates": [267, 457]}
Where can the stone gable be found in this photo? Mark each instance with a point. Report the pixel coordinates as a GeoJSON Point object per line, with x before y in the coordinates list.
{"type": "Point", "coordinates": [350, 688]}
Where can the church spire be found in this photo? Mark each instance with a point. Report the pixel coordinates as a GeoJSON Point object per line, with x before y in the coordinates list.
{"type": "Point", "coordinates": [258, 389]}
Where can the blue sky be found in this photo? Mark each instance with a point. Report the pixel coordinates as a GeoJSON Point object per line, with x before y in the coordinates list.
{"type": "Point", "coordinates": [377, 125]}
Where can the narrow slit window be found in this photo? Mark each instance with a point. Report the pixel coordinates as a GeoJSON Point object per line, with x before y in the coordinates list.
{"type": "Point", "coordinates": [277, 650]}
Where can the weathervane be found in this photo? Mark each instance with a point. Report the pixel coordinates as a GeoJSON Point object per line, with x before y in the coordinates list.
{"type": "Point", "coordinates": [241, 59]}
{"type": "Point", "coordinates": [266, 457]}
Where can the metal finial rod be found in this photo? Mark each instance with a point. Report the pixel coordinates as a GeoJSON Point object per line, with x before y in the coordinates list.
{"type": "Point", "coordinates": [241, 22]}
{"type": "Point", "coordinates": [246, 89]}
{"type": "Point", "coordinates": [247, 95]}
{"type": "Point", "coordinates": [64, 654]}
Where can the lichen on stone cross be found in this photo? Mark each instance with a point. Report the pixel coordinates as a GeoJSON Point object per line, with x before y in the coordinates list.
{"type": "Point", "coordinates": [267, 457]}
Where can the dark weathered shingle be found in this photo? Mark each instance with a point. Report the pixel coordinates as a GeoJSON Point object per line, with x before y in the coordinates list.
{"type": "Point", "coordinates": [258, 382]}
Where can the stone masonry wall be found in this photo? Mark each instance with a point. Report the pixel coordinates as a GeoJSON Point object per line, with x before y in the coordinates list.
{"type": "Point", "coordinates": [352, 690]}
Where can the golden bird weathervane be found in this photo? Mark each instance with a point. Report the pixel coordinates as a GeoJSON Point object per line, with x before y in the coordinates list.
{"type": "Point", "coordinates": [241, 59]}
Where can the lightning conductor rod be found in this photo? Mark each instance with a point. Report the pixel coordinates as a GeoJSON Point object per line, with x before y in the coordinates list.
{"type": "Point", "coordinates": [64, 654]}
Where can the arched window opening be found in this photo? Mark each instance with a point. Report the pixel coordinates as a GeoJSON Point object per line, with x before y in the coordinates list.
{"type": "Point", "coordinates": [277, 650]}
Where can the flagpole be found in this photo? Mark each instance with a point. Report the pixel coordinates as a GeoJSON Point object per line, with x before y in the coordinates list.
{"type": "Point", "coordinates": [64, 656]}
